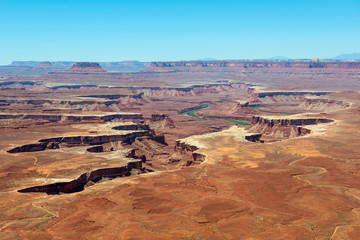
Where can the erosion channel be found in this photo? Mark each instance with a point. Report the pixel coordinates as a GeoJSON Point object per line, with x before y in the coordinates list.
{"type": "Point", "coordinates": [191, 112]}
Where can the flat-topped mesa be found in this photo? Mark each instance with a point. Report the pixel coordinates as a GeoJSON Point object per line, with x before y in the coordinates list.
{"type": "Point", "coordinates": [286, 97]}
{"type": "Point", "coordinates": [73, 118]}
{"type": "Point", "coordinates": [94, 103]}
{"type": "Point", "coordinates": [196, 90]}
{"type": "Point", "coordinates": [86, 67]}
{"type": "Point", "coordinates": [54, 143]}
{"type": "Point", "coordinates": [323, 105]}
{"type": "Point", "coordinates": [236, 65]}
{"type": "Point", "coordinates": [79, 184]}
{"type": "Point", "coordinates": [277, 128]}
{"type": "Point", "coordinates": [273, 121]}
{"type": "Point", "coordinates": [45, 65]}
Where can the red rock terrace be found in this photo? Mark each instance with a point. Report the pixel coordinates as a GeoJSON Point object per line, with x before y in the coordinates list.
{"type": "Point", "coordinates": [86, 67]}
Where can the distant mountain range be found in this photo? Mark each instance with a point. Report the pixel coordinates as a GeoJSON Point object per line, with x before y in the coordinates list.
{"type": "Point", "coordinates": [206, 59]}
{"type": "Point", "coordinates": [277, 58]}
{"type": "Point", "coordinates": [347, 56]}
{"type": "Point", "coordinates": [37, 68]}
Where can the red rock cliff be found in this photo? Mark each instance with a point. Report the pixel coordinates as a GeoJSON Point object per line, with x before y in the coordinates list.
{"type": "Point", "coordinates": [86, 67]}
{"type": "Point", "coordinates": [236, 65]}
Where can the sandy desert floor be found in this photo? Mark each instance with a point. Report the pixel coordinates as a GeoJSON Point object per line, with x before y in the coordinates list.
{"type": "Point", "coordinates": [170, 176]}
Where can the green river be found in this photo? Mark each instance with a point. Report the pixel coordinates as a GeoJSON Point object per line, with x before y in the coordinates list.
{"type": "Point", "coordinates": [192, 113]}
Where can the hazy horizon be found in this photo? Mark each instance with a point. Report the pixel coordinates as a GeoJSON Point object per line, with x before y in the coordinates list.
{"type": "Point", "coordinates": [281, 58]}
{"type": "Point", "coordinates": [110, 31]}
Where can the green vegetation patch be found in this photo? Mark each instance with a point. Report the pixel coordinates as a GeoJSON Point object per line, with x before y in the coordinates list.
{"type": "Point", "coordinates": [192, 113]}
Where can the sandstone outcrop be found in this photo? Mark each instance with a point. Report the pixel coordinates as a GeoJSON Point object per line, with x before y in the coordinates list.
{"type": "Point", "coordinates": [304, 188]}
{"type": "Point", "coordinates": [238, 65]}
{"type": "Point", "coordinates": [115, 96]}
{"type": "Point", "coordinates": [281, 128]}
{"type": "Point", "coordinates": [273, 121]}
{"type": "Point", "coordinates": [125, 66]}
{"type": "Point", "coordinates": [132, 127]}
{"type": "Point", "coordinates": [45, 65]}
{"type": "Point", "coordinates": [242, 107]}
{"type": "Point", "coordinates": [323, 105]}
{"type": "Point", "coordinates": [35, 147]}
{"type": "Point", "coordinates": [187, 153]}
{"type": "Point", "coordinates": [95, 140]}
{"type": "Point", "coordinates": [86, 67]}
{"type": "Point", "coordinates": [140, 130]}
{"type": "Point", "coordinates": [116, 145]}
{"type": "Point", "coordinates": [72, 118]}
{"type": "Point", "coordinates": [160, 122]}
{"type": "Point", "coordinates": [78, 184]}
{"type": "Point", "coordinates": [195, 90]}
{"type": "Point", "coordinates": [286, 97]}
{"type": "Point", "coordinates": [253, 137]}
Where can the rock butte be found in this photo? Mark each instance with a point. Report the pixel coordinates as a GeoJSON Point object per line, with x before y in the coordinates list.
{"type": "Point", "coordinates": [86, 67]}
{"type": "Point", "coordinates": [45, 65]}
{"type": "Point", "coordinates": [181, 150]}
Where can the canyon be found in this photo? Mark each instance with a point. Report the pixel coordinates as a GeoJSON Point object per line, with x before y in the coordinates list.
{"type": "Point", "coordinates": [263, 65]}
{"type": "Point", "coordinates": [230, 149]}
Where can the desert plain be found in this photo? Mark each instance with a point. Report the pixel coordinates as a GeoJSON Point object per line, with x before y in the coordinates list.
{"type": "Point", "coordinates": [180, 150]}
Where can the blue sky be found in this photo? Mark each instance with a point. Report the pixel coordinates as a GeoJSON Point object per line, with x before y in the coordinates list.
{"type": "Point", "coordinates": [89, 30]}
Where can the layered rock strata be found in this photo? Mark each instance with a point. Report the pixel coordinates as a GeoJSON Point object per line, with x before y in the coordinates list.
{"type": "Point", "coordinates": [54, 143]}
{"type": "Point", "coordinates": [282, 128]}
{"type": "Point", "coordinates": [45, 65]}
{"type": "Point", "coordinates": [86, 67]}
{"type": "Point", "coordinates": [78, 184]}
{"type": "Point", "coordinates": [188, 151]}
{"type": "Point", "coordinates": [242, 107]}
{"type": "Point", "coordinates": [236, 65]}
{"type": "Point", "coordinates": [72, 118]}
{"type": "Point", "coordinates": [325, 105]}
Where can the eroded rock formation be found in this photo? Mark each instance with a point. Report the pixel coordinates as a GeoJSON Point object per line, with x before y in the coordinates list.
{"type": "Point", "coordinates": [72, 118]}
{"type": "Point", "coordinates": [132, 127]}
{"type": "Point", "coordinates": [242, 107]}
{"type": "Point", "coordinates": [286, 97]}
{"type": "Point", "coordinates": [45, 65]}
{"type": "Point", "coordinates": [195, 90]}
{"type": "Point", "coordinates": [78, 184]}
{"type": "Point", "coordinates": [281, 128]}
{"type": "Point", "coordinates": [54, 143]}
{"type": "Point", "coordinates": [236, 65]}
{"type": "Point", "coordinates": [35, 147]}
{"type": "Point", "coordinates": [160, 122]}
{"type": "Point", "coordinates": [323, 105]}
{"type": "Point", "coordinates": [86, 67]}
{"type": "Point", "coordinates": [287, 122]}
{"type": "Point", "coordinates": [184, 151]}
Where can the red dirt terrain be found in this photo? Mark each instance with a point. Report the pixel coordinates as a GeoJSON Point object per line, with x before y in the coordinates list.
{"type": "Point", "coordinates": [205, 150]}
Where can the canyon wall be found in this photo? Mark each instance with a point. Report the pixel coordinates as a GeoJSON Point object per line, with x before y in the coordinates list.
{"type": "Point", "coordinates": [78, 184]}
{"type": "Point", "coordinates": [196, 90]}
{"type": "Point", "coordinates": [271, 122]}
{"type": "Point", "coordinates": [281, 128]}
{"type": "Point", "coordinates": [185, 154]}
{"type": "Point", "coordinates": [324, 105]}
{"type": "Point", "coordinates": [241, 65]}
{"type": "Point", "coordinates": [242, 108]}
{"type": "Point", "coordinates": [285, 97]}
{"type": "Point", "coordinates": [55, 143]}
{"type": "Point", "coordinates": [72, 118]}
